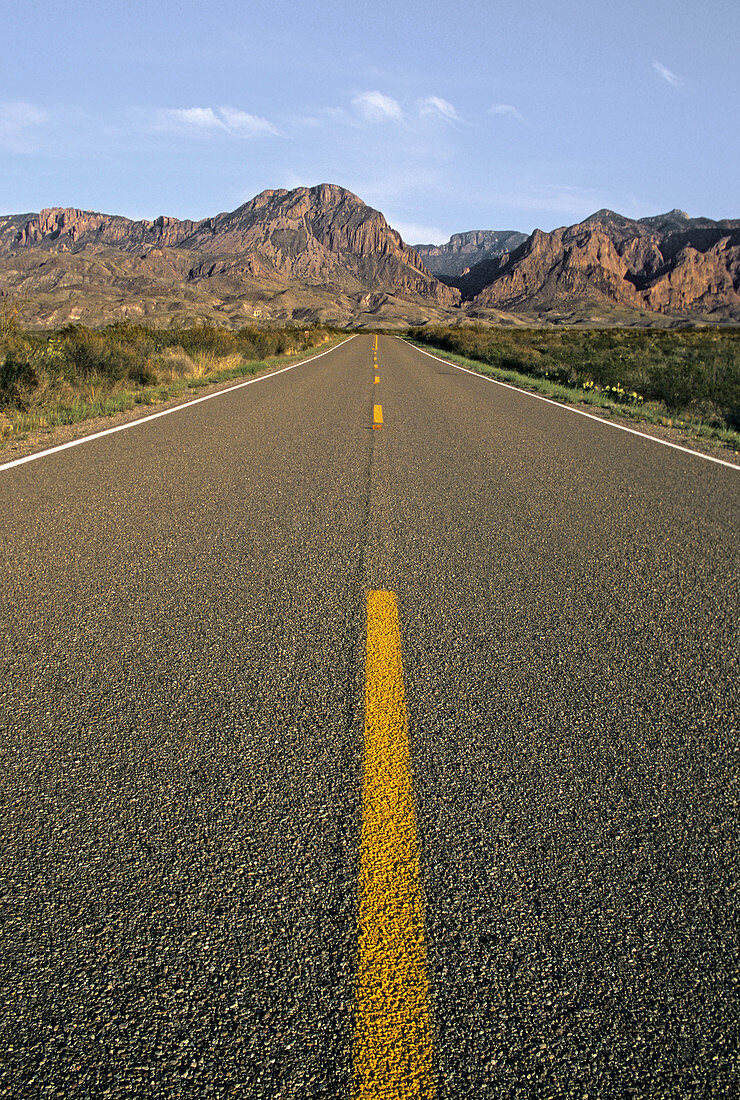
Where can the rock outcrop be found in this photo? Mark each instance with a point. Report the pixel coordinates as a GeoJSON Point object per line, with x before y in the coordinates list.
{"type": "Point", "coordinates": [320, 253]}
{"type": "Point", "coordinates": [464, 250]}
{"type": "Point", "coordinates": [669, 264]}
{"type": "Point", "coordinates": [321, 236]}
{"type": "Point", "coordinates": [60, 228]}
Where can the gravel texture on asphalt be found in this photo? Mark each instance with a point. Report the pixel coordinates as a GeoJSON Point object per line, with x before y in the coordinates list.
{"type": "Point", "coordinates": [181, 749]}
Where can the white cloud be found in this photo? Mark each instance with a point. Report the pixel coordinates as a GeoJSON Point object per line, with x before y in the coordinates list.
{"type": "Point", "coordinates": [505, 109]}
{"type": "Point", "coordinates": [206, 120]}
{"type": "Point", "coordinates": [433, 106]}
{"type": "Point", "coordinates": [246, 125]}
{"type": "Point", "coordinates": [188, 119]}
{"type": "Point", "coordinates": [17, 123]}
{"type": "Point", "coordinates": [376, 107]}
{"type": "Point", "coordinates": [667, 75]}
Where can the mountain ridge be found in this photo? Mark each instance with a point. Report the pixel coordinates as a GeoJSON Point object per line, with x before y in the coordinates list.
{"type": "Point", "coordinates": [320, 253]}
{"type": "Point", "coordinates": [464, 250]}
{"type": "Point", "coordinates": [321, 243]}
{"type": "Point", "coordinates": [668, 263]}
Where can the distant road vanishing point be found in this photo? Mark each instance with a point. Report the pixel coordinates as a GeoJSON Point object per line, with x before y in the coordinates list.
{"type": "Point", "coordinates": [374, 763]}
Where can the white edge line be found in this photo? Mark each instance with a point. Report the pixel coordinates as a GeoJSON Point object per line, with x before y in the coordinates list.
{"type": "Point", "coordinates": [570, 409]}
{"type": "Point", "coordinates": [166, 412]}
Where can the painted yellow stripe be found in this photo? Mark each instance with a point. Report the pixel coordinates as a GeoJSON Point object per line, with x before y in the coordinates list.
{"type": "Point", "coordinates": [377, 416]}
{"type": "Point", "coordinates": [377, 380]}
{"type": "Point", "coordinates": [393, 1055]}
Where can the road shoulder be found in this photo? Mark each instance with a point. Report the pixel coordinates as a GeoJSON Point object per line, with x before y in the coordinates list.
{"type": "Point", "coordinates": [42, 439]}
{"type": "Point", "coordinates": [672, 435]}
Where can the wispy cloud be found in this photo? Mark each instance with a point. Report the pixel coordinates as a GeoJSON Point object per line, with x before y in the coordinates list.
{"type": "Point", "coordinates": [667, 75]}
{"type": "Point", "coordinates": [243, 124]}
{"type": "Point", "coordinates": [202, 121]}
{"type": "Point", "coordinates": [18, 121]}
{"type": "Point", "coordinates": [506, 109]}
{"type": "Point", "coordinates": [433, 106]}
{"type": "Point", "coordinates": [376, 107]}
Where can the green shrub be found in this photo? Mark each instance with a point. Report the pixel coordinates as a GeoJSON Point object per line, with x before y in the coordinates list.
{"type": "Point", "coordinates": [686, 372]}
{"type": "Point", "coordinates": [64, 375]}
{"type": "Point", "coordinates": [17, 376]}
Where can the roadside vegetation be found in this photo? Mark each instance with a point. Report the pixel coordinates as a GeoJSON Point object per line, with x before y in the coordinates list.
{"type": "Point", "coordinates": [687, 378]}
{"type": "Point", "coordinates": [74, 373]}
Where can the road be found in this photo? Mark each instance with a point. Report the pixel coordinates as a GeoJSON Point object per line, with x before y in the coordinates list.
{"type": "Point", "coordinates": [184, 627]}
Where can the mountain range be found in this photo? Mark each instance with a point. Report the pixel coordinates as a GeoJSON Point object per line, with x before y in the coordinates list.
{"type": "Point", "coordinates": [465, 250]}
{"type": "Point", "coordinates": [321, 254]}
{"type": "Point", "coordinates": [669, 265]}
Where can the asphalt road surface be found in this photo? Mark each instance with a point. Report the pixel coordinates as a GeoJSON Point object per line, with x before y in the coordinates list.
{"type": "Point", "coordinates": [184, 631]}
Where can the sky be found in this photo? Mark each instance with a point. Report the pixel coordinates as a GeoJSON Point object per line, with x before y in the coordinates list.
{"type": "Point", "coordinates": [495, 114]}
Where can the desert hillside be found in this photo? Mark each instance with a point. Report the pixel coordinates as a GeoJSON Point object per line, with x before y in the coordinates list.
{"type": "Point", "coordinates": [319, 254]}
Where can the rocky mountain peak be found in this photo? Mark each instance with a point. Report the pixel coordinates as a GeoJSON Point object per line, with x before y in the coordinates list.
{"type": "Point", "coordinates": [322, 196]}
{"type": "Point", "coordinates": [669, 263]}
{"type": "Point", "coordinates": [672, 220]}
{"type": "Point", "coordinates": [606, 217]}
{"type": "Point", "coordinates": [265, 197]}
{"type": "Point", "coordinates": [323, 244]}
{"type": "Point", "coordinates": [323, 237]}
{"type": "Point", "coordinates": [465, 250]}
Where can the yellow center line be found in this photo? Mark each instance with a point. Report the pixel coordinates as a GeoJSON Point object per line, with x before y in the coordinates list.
{"type": "Point", "coordinates": [393, 1058]}
{"type": "Point", "coordinates": [377, 416]}
{"type": "Point", "coordinates": [377, 379]}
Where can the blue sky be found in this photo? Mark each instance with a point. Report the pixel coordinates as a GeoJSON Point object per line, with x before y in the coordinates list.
{"type": "Point", "coordinates": [500, 114]}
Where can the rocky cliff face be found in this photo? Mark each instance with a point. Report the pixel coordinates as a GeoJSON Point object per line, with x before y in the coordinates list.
{"type": "Point", "coordinates": [321, 253]}
{"type": "Point", "coordinates": [319, 235]}
{"type": "Point", "coordinates": [464, 250]}
{"type": "Point", "coordinates": [66, 229]}
{"type": "Point", "coordinates": [667, 264]}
